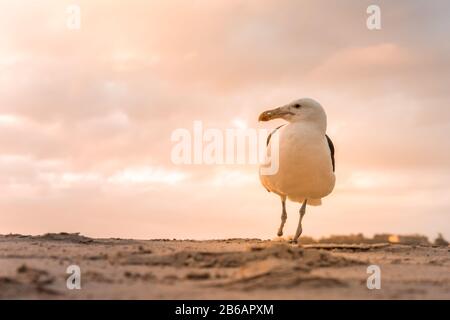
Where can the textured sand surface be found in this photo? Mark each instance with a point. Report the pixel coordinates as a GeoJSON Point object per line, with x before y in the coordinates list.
{"type": "Point", "coordinates": [34, 267]}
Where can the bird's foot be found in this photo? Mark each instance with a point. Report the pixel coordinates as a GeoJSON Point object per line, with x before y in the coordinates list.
{"type": "Point", "coordinates": [280, 233]}
{"type": "Point", "coordinates": [297, 234]}
{"type": "Point", "coordinates": [293, 241]}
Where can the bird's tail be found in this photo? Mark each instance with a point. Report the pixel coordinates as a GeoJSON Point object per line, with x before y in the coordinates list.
{"type": "Point", "coordinates": [314, 202]}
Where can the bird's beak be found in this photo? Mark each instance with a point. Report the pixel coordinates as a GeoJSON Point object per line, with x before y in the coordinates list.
{"type": "Point", "coordinates": [273, 114]}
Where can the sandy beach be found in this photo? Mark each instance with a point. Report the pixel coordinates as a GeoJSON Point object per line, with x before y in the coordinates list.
{"type": "Point", "coordinates": [34, 267]}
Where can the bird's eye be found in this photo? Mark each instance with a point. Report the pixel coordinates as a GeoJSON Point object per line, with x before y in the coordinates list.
{"type": "Point", "coordinates": [297, 106]}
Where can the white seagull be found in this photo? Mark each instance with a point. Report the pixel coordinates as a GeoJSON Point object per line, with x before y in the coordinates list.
{"type": "Point", "coordinates": [306, 157]}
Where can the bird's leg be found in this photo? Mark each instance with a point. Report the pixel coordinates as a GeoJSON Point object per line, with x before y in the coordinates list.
{"type": "Point", "coordinates": [299, 228]}
{"type": "Point", "coordinates": [283, 217]}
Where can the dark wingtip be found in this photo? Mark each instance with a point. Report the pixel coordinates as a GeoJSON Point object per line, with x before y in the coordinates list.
{"type": "Point", "coordinates": [331, 146]}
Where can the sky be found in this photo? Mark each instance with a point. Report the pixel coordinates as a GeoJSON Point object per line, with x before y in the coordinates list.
{"type": "Point", "coordinates": [86, 115]}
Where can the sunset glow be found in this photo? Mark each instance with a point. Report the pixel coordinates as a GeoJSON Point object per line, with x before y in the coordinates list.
{"type": "Point", "coordinates": [86, 115]}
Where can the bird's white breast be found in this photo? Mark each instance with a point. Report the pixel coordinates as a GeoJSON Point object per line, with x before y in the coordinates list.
{"type": "Point", "coordinates": [305, 167]}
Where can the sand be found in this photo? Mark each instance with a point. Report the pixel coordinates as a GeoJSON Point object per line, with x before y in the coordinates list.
{"type": "Point", "coordinates": [34, 267]}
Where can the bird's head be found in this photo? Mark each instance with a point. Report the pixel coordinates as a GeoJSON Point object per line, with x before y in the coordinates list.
{"type": "Point", "coordinates": [298, 110]}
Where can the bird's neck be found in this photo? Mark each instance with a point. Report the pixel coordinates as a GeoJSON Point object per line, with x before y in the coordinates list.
{"type": "Point", "coordinates": [318, 124]}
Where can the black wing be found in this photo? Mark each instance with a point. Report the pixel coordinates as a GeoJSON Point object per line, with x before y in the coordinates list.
{"type": "Point", "coordinates": [270, 135]}
{"type": "Point", "coordinates": [331, 146]}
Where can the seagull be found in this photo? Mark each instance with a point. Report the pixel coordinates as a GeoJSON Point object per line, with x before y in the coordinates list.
{"type": "Point", "coordinates": [306, 157]}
